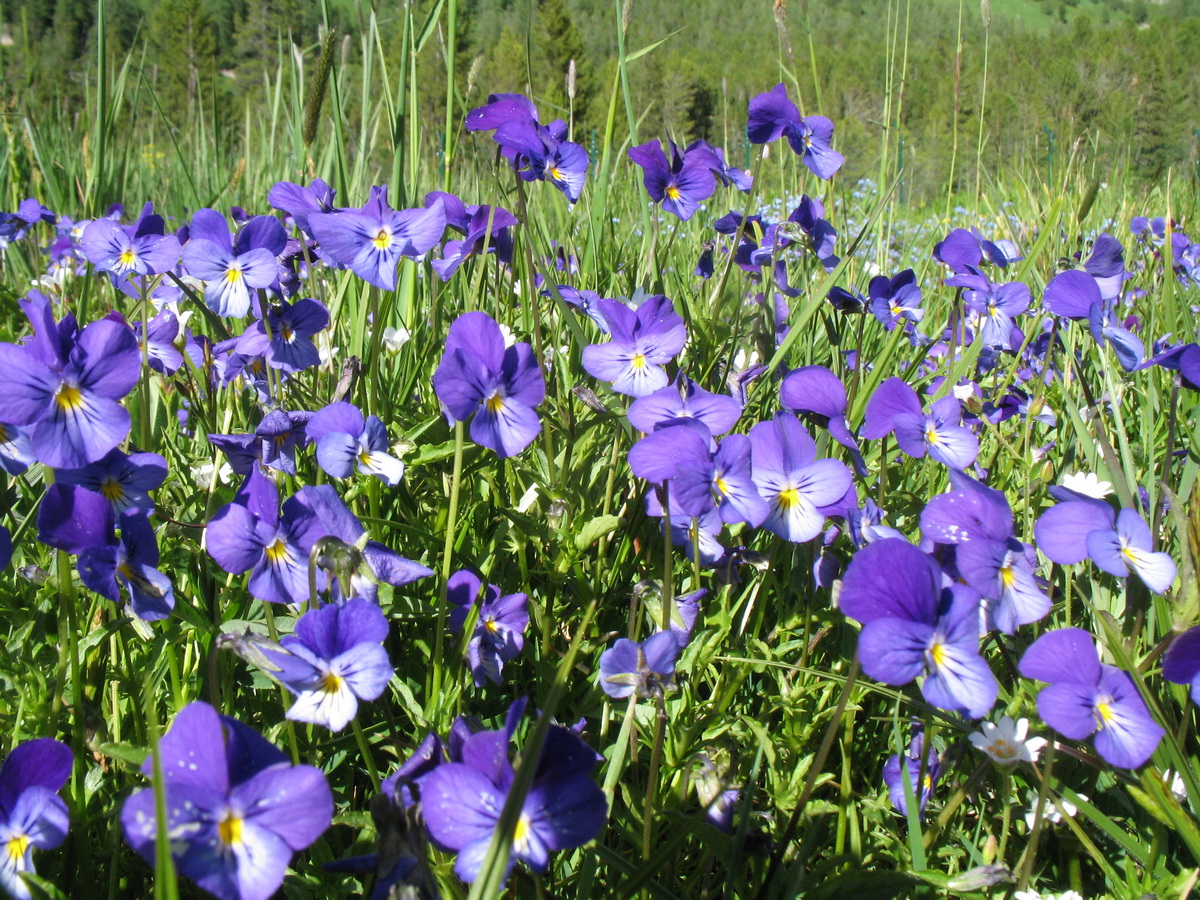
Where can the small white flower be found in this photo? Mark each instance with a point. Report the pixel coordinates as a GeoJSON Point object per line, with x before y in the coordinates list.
{"type": "Point", "coordinates": [1088, 484]}
{"type": "Point", "coordinates": [395, 338]}
{"type": "Point", "coordinates": [509, 339]}
{"type": "Point", "coordinates": [743, 360]}
{"type": "Point", "coordinates": [1005, 742]}
{"type": "Point", "coordinates": [1050, 811]}
{"type": "Point", "coordinates": [964, 392]}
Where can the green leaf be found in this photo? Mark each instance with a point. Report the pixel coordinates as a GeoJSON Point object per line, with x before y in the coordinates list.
{"type": "Point", "coordinates": [597, 528]}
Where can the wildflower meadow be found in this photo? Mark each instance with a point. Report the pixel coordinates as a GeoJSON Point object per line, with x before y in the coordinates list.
{"type": "Point", "coordinates": [490, 505]}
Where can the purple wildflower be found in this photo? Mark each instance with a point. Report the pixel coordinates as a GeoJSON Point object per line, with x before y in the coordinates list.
{"type": "Point", "coordinates": [237, 809]}
{"type": "Point", "coordinates": [334, 659]}
{"type": "Point", "coordinates": [346, 440]}
{"type": "Point", "coordinates": [371, 241]}
{"type": "Point", "coordinates": [895, 769]}
{"type": "Point", "coordinates": [1087, 697]}
{"type": "Point", "coordinates": [646, 669]}
{"type": "Point", "coordinates": [231, 275]}
{"type": "Point", "coordinates": [772, 115]}
{"type": "Point", "coordinates": [794, 483]}
{"type": "Point", "coordinates": [274, 550]}
{"type": "Point", "coordinates": [500, 629]}
{"type": "Point", "coordinates": [912, 625]}
{"type": "Point", "coordinates": [895, 407]}
{"type": "Point", "coordinates": [643, 342]}
{"type": "Point", "coordinates": [462, 801]}
{"type": "Point", "coordinates": [65, 387]}
{"type": "Point", "coordinates": [500, 387]}
{"type": "Point", "coordinates": [32, 815]}
{"type": "Point", "coordinates": [681, 183]}
{"type": "Point", "coordinates": [284, 337]}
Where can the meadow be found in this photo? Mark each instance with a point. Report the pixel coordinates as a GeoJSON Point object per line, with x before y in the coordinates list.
{"type": "Point", "coordinates": [397, 508]}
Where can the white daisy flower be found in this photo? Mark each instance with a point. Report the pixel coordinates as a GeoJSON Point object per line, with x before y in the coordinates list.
{"type": "Point", "coordinates": [1005, 742]}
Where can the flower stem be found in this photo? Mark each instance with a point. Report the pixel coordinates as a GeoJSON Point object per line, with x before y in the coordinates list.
{"type": "Point", "coordinates": [435, 687]}
{"type": "Point", "coordinates": [365, 749]}
{"type": "Point", "coordinates": [660, 733]}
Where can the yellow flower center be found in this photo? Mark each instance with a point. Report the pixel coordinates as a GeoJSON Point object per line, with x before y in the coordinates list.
{"type": "Point", "coordinates": [1104, 712]}
{"type": "Point", "coordinates": [233, 276]}
{"type": "Point", "coordinates": [1003, 749]}
{"type": "Point", "coordinates": [69, 398]}
{"type": "Point", "coordinates": [364, 458]}
{"type": "Point", "coordinates": [229, 830]}
{"type": "Point", "coordinates": [127, 258]}
{"type": "Point", "coordinates": [639, 361]}
{"type": "Point", "coordinates": [1007, 576]}
{"type": "Point", "coordinates": [932, 438]}
{"type": "Point", "coordinates": [789, 498]}
{"type": "Point", "coordinates": [673, 192]}
{"type": "Point", "coordinates": [16, 847]}
{"type": "Point", "coordinates": [521, 835]}
{"type": "Point", "coordinates": [331, 683]}
{"type": "Point", "coordinates": [495, 403]}
{"type": "Point", "coordinates": [556, 173]}
{"type": "Point", "coordinates": [287, 334]}
{"type": "Point", "coordinates": [3, 434]}
{"type": "Point", "coordinates": [722, 485]}
{"type": "Point", "coordinates": [276, 551]}
{"type": "Point", "coordinates": [937, 653]}
{"type": "Point", "coordinates": [112, 489]}
{"type": "Point", "coordinates": [382, 239]}
{"type": "Point", "coordinates": [491, 626]}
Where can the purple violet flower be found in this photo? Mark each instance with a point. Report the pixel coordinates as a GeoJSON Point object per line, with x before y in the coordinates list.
{"type": "Point", "coordinates": [65, 387]}
{"type": "Point", "coordinates": [914, 625]}
{"type": "Point", "coordinates": [345, 440]}
{"type": "Point", "coordinates": [646, 669]}
{"type": "Point", "coordinates": [897, 766]}
{"type": "Point", "coordinates": [371, 241]}
{"type": "Point", "coordinates": [500, 629]}
{"type": "Point", "coordinates": [1087, 697]}
{"type": "Point", "coordinates": [231, 275]}
{"type": "Point", "coordinates": [895, 407]}
{"type": "Point", "coordinates": [124, 481]}
{"type": "Point", "coordinates": [680, 184]}
{"type": "Point", "coordinates": [643, 342]}
{"type": "Point", "coordinates": [772, 115]}
{"type": "Point", "coordinates": [462, 801]}
{"type": "Point", "coordinates": [500, 387]}
{"type": "Point", "coordinates": [794, 483]}
{"type": "Point", "coordinates": [32, 815]}
{"type": "Point", "coordinates": [895, 300]}
{"type": "Point", "coordinates": [334, 658]}
{"type": "Point", "coordinates": [237, 809]}
{"type": "Point", "coordinates": [274, 550]}
{"type": "Point", "coordinates": [284, 338]}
